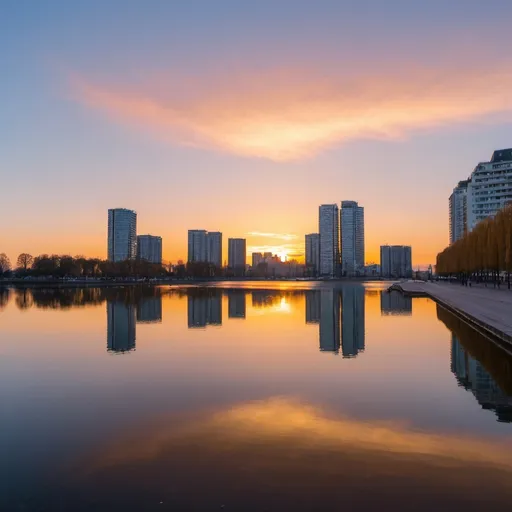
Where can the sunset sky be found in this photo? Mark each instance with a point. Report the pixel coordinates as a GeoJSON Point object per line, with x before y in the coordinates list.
{"type": "Point", "coordinates": [244, 117]}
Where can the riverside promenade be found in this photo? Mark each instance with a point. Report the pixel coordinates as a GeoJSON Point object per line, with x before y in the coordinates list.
{"type": "Point", "coordinates": [489, 310]}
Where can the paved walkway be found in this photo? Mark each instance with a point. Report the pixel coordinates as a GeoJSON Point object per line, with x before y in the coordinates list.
{"type": "Point", "coordinates": [488, 307]}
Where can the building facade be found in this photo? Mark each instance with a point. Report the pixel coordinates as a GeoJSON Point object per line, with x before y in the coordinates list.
{"type": "Point", "coordinates": [122, 234]}
{"type": "Point", "coordinates": [313, 252]}
{"type": "Point", "coordinates": [396, 261]}
{"type": "Point", "coordinates": [458, 211]}
{"type": "Point", "coordinates": [149, 248]}
{"type": "Point", "coordinates": [352, 238]}
{"type": "Point", "coordinates": [328, 228]}
{"type": "Point", "coordinates": [214, 248]}
{"type": "Point", "coordinates": [197, 246]}
{"type": "Point", "coordinates": [489, 188]}
{"type": "Point", "coordinates": [257, 258]}
{"type": "Point", "coordinates": [237, 253]}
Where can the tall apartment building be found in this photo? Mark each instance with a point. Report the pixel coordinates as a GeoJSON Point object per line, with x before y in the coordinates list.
{"type": "Point", "coordinates": [257, 258]}
{"type": "Point", "coordinates": [458, 211]}
{"type": "Point", "coordinates": [328, 228]}
{"type": "Point", "coordinates": [237, 253]}
{"type": "Point", "coordinates": [313, 252]}
{"type": "Point", "coordinates": [197, 246]}
{"type": "Point", "coordinates": [352, 238]}
{"type": "Point", "coordinates": [489, 188]}
{"type": "Point", "coordinates": [214, 248]}
{"type": "Point", "coordinates": [122, 234]}
{"type": "Point", "coordinates": [396, 261]}
{"type": "Point", "coordinates": [149, 248]}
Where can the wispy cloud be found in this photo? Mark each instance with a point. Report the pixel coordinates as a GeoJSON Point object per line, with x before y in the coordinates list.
{"type": "Point", "coordinates": [290, 115]}
{"type": "Point", "coordinates": [278, 236]}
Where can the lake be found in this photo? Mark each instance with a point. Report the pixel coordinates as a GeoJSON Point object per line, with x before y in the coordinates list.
{"type": "Point", "coordinates": [269, 396]}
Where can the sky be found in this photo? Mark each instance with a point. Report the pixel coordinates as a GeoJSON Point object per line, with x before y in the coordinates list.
{"type": "Point", "coordinates": [244, 117]}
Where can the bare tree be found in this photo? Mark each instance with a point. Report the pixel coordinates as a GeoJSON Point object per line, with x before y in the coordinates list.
{"type": "Point", "coordinates": [25, 261]}
{"type": "Point", "coordinates": [5, 264]}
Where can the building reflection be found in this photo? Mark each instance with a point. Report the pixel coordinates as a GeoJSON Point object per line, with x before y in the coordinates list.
{"type": "Point", "coordinates": [236, 303]}
{"type": "Point", "coordinates": [395, 303]}
{"type": "Point", "coordinates": [149, 310]}
{"type": "Point", "coordinates": [312, 307]}
{"type": "Point", "coordinates": [265, 298]}
{"type": "Point", "coordinates": [472, 376]}
{"type": "Point", "coordinates": [329, 331]}
{"type": "Point", "coordinates": [120, 326]}
{"type": "Point", "coordinates": [480, 366]}
{"type": "Point", "coordinates": [204, 308]}
{"type": "Point", "coordinates": [341, 318]}
{"type": "Point", "coordinates": [353, 325]}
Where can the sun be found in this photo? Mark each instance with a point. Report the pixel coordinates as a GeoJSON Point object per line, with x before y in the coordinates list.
{"type": "Point", "coordinates": [283, 255]}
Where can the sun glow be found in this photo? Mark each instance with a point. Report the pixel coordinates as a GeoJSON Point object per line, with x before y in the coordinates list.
{"type": "Point", "coordinates": [294, 114]}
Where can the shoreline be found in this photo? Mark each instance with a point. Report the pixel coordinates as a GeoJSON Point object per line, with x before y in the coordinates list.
{"type": "Point", "coordinates": [86, 283]}
{"type": "Point", "coordinates": [485, 313]}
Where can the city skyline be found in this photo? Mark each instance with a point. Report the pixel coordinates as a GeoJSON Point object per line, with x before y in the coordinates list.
{"type": "Point", "coordinates": [250, 127]}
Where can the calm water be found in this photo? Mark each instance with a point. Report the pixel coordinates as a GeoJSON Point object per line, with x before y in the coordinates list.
{"type": "Point", "coordinates": [248, 399]}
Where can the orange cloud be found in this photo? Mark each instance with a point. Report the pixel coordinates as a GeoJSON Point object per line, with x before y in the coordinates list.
{"type": "Point", "coordinates": [291, 115]}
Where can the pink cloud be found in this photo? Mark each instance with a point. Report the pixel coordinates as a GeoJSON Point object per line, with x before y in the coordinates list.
{"type": "Point", "coordinates": [291, 115]}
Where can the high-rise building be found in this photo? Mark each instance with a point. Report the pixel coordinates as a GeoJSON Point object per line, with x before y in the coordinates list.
{"type": "Point", "coordinates": [205, 247]}
{"type": "Point", "coordinates": [149, 248]}
{"type": "Point", "coordinates": [489, 188]}
{"type": "Point", "coordinates": [396, 261]}
{"type": "Point", "coordinates": [197, 246]}
{"type": "Point", "coordinates": [214, 248]}
{"type": "Point", "coordinates": [257, 258]}
{"type": "Point", "coordinates": [120, 326]}
{"type": "Point", "coordinates": [328, 224]}
{"type": "Point", "coordinates": [122, 234]}
{"type": "Point", "coordinates": [458, 211]}
{"type": "Point", "coordinates": [237, 254]}
{"type": "Point", "coordinates": [313, 252]}
{"type": "Point", "coordinates": [352, 238]}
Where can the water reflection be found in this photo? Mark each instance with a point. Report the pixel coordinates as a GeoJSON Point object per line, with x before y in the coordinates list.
{"type": "Point", "coordinates": [204, 308]}
{"type": "Point", "coordinates": [480, 366]}
{"type": "Point", "coordinates": [394, 303]}
{"type": "Point", "coordinates": [236, 303]}
{"type": "Point", "coordinates": [149, 310]}
{"type": "Point", "coordinates": [120, 327]}
{"type": "Point", "coordinates": [353, 325]}
{"type": "Point", "coordinates": [259, 456]}
{"type": "Point", "coordinates": [211, 419]}
{"type": "Point", "coordinates": [4, 297]}
{"type": "Point", "coordinates": [340, 314]}
{"type": "Point", "coordinates": [329, 331]}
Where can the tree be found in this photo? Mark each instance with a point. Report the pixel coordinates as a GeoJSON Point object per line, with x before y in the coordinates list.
{"type": "Point", "coordinates": [25, 261]}
{"type": "Point", "coordinates": [5, 264]}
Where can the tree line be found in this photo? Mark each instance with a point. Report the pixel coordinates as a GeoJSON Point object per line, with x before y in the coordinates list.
{"type": "Point", "coordinates": [60, 266]}
{"type": "Point", "coordinates": [484, 254]}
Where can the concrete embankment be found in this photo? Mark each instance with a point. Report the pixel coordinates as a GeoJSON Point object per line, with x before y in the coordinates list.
{"type": "Point", "coordinates": [487, 309]}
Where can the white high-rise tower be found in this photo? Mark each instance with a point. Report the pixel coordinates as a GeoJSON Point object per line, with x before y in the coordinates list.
{"type": "Point", "coordinates": [328, 225]}
{"type": "Point", "coordinates": [352, 238]}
